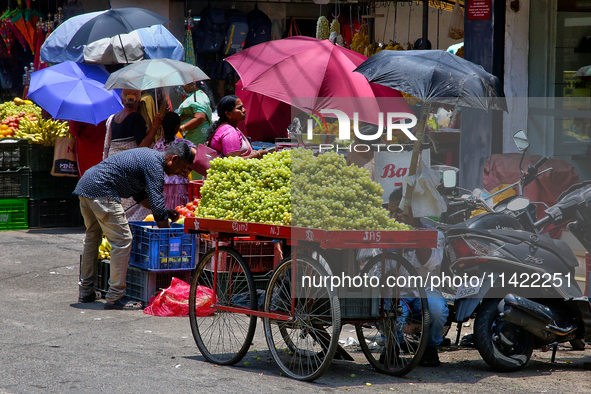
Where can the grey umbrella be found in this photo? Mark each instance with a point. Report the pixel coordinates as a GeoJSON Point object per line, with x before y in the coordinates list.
{"type": "Point", "coordinates": [434, 76]}
{"type": "Point", "coordinates": [154, 73]}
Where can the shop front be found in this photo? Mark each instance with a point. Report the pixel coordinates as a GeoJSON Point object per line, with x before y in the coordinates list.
{"type": "Point", "coordinates": [560, 99]}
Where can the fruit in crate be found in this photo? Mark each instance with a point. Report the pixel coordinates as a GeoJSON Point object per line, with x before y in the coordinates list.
{"type": "Point", "coordinates": [12, 114]}
{"type": "Point", "coordinates": [328, 194]}
{"type": "Point", "coordinates": [6, 131]}
{"type": "Point", "coordinates": [42, 131]}
{"type": "Point", "coordinates": [105, 250]}
{"type": "Point", "coordinates": [248, 190]}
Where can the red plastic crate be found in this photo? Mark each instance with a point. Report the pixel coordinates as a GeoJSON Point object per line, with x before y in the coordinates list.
{"type": "Point", "coordinates": [261, 256]}
{"type": "Point", "coordinates": [194, 189]}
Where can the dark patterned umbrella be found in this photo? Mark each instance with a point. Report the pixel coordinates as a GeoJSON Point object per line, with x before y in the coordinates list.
{"type": "Point", "coordinates": [436, 76]}
{"type": "Point", "coordinates": [114, 22]}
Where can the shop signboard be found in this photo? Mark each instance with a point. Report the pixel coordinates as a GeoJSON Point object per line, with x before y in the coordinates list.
{"type": "Point", "coordinates": [478, 9]}
{"type": "Point", "coordinates": [392, 167]}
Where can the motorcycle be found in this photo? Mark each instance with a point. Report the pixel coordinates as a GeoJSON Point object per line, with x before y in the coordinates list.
{"type": "Point", "coordinates": [521, 282]}
{"type": "Point", "coordinates": [496, 217]}
{"type": "Point", "coordinates": [521, 286]}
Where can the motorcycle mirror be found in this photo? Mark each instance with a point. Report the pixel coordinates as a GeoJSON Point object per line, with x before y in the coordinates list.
{"type": "Point", "coordinates": [521, 141]}
{"type": "Point", "coordinates": [449, 178]}
{"type": "Point", "coordinates": [518, 203]}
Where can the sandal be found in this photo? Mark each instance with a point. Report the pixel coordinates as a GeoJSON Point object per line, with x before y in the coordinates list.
{"type": "Point", "coordinates": [124, 304]}
{"type": "Point", "coordinates": [85, 299]}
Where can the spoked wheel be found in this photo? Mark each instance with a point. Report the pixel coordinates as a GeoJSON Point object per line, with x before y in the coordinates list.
{"type": "Point", "coordinates": [395, 343]}
{"type": "Point", "coordinates": [223, 337]}
{"type": "Point", "coordinates": [304, 346]}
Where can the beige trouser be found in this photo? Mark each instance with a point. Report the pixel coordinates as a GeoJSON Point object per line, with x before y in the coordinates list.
{"type": "Point", "coordinates": [104, 215]}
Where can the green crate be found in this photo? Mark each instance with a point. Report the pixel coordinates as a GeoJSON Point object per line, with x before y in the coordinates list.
{"type": "Point", "coordinates": [13, 214]}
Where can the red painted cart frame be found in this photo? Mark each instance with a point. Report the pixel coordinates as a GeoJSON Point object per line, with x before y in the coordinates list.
{"type": "Point", "coordinates": [340, 239]}
{"type": "Point", "coordinates": [296, 236]}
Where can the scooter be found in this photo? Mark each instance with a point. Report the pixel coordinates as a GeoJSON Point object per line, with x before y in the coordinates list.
{"type": "Point", "coordinates": [522, 283]}
{"type": "Point", "coordinates": [496, 217]}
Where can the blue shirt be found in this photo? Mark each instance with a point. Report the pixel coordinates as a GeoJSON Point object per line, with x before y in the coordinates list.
{"type": "Point", "coordinates": [137, 173]}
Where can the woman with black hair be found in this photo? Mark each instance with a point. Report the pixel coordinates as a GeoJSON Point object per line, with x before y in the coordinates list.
{"type": "Point", "coordinates": [176, 187]}
{"type": "Point", "coordinates": [196, 114]}
{"type": "Point", "coordinates": [224, 135]}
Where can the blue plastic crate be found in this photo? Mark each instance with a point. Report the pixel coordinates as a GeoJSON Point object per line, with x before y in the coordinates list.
{"type": "Point", "coordinates": [162, 249]}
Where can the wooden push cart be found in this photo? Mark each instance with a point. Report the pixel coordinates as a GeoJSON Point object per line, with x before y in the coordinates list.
{"type": "Point", "coordinates": [302, 311]}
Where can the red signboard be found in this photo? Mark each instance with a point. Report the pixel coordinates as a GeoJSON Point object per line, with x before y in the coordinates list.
{"type": "Point", "coordinates": [478, 9]}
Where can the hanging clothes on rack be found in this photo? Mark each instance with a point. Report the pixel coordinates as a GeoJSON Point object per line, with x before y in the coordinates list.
{"type": "Point", "coordinates": [7, 36]}
{"type": "Point", "coordinates": [42, 34]}
{"type": "Point", "coordinates": [188, 41]}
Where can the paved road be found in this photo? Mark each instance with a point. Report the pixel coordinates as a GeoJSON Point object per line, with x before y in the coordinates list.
{"type": "Point", "coordinates": [50, 343]}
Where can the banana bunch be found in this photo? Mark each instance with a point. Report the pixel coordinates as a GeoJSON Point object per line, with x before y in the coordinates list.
{"type": "Point", "coordinates": [105, 250]}
{"type": "Point", "coordinates": [393, 46]}
{"type": "Point", "coordinates": [374, 48]}
{"type": "Point", "coordinates": [42, 131]}
{"type": "Point", "coordinates": [322, 32]}
{"type": "Point", "coordinates": [360, 41]}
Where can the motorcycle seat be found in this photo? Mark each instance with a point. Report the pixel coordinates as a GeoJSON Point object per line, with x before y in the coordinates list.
{"type": "Point", "coordinates": [443, 227]}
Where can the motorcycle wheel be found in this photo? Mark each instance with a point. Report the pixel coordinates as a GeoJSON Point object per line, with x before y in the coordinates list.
{"type": "Point", "coordinates": [504, 346]}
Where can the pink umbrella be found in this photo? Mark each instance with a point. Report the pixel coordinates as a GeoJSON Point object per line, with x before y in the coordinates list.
{"type": "Point", "coordinates": [266, 117]}
{"type": "Point", "coordinates": [313, 74]}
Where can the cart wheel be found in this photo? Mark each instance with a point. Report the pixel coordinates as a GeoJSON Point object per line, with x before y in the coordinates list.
{"type": "Point", "coordinates": [223, 337]}
{"type": "Point", "coordinates": [395, 343]}
{"type": "Point", "coordinates": [304, 346]}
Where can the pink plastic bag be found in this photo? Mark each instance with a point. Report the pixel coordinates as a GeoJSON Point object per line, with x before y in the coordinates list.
{"type": "Point", "coordinates": [174, 300]}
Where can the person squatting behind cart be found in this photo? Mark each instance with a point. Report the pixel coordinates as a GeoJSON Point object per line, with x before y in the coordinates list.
{"type": "Point", "coordinates": [427, 262]}
{"type": "Point", "coordinates": [137, 173]}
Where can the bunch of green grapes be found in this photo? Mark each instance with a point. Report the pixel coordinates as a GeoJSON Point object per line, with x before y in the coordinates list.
{"type": "Point", "coordinates": [328, 194]}
{"type": "Point", "coordinates": [9, 108]}
{"type": "Point", "coordinates": [248, 190]}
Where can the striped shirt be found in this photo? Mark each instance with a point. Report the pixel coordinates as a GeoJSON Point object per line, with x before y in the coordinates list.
{"type": "Point", "coordinates": [137, 173]}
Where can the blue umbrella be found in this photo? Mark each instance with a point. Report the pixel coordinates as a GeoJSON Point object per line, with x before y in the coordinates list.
{"type": "Point", "coordinates": [74, 91]}
{"type": "Point", "coordinates": [154, 42]}
{"type": "Point", "coordinates": [55, 48]}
